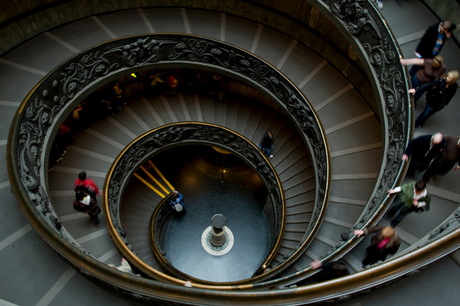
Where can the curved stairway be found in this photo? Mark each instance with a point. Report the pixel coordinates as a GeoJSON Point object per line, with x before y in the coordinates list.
{"type": "Point", "coordinates": [249, 118]}
{"type": "Point", "coordinates": [351, 127]}
{"type": "Point", "coordinates": [352, 130]}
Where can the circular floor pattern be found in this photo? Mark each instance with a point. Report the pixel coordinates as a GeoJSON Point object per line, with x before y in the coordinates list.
{"type": "Point", "coordinates": [213, 250]}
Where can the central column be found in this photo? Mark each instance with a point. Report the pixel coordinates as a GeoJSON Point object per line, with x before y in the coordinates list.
{"type": "Point", "coordinates": [218, 230]}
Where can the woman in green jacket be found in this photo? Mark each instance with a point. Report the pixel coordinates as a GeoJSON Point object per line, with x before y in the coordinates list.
{"type": "Point", "coordinates": [411, 197]}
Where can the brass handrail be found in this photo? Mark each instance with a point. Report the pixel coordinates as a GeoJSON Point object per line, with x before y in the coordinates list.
{"type": "Point", "coordinates": [364, 279]}
{"type": "Point", "coordinates": [147, 145]}
{"type": "Point", "coordinates": [52, 99]}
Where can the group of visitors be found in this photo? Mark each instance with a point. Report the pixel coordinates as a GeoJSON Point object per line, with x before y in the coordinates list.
{"type": "Point", "coordinates": [428, 72]}
{"type": "Point", "coordinates": [431, 154]}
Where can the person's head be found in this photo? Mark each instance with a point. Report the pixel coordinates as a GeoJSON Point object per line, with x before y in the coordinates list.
{"type": "Point", "coordinates": [420, 185]}
{"type": "Point", "coordinates": [175, 195]}
{"type": "Point", "coordinates": [438, 61]}
{"type": "Point", "coordinates": [114, 83]}
{"type": "Point", "coordinates": [270, 133]}
{"type": "Point", "coordinates": [451, 77]}
{"type": "Point", "coordinates": [436, 139]}
{"type": "Point", "coordinates": [82, 175]}
{"type": "Point", "coordinates": [388, 232]}
{"type": "Point", "coordinates": [445, 26]}
{"type": "Point", "coordinates": [79, 195]}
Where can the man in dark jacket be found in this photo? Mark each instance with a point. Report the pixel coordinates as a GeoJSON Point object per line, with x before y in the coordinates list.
{"type": "Point", "coordinates": [432, 41]}
{"type": "Point", "coordinates": [422, 150]}
{"type": "Point", "coordinates": [446, 160]}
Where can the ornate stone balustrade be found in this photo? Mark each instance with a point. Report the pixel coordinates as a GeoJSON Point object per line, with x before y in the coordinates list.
{"type": "Point", "coordinates": [140, 150]}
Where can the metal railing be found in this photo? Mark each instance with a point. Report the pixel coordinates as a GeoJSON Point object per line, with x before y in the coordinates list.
{"type": "Point", "coordinates": [143, 148]}
{"type": "Point", "coordinates": [376, 46]}
{"type": "Point", "coordinates": [54, 97]}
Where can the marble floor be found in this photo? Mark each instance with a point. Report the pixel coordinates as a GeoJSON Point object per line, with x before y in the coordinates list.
{"type": "Point", "coordinates": [240, 197]}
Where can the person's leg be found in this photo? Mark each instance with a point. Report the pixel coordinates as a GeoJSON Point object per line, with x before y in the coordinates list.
{"type": "Point", "coordinates": [397, 205]}
{"type": "Point", "coordinates": [414, 164]}
{"type": "Point", "coordinates": [403, 213]}
{"type": "Point", "coordinates": [431, 170]}
{"type": "Point", "coordinates": [269, 151]}
{"type": "Point", "coordinates": [372, 255]}
{"type": "Point", "coordinates": [427, 113]}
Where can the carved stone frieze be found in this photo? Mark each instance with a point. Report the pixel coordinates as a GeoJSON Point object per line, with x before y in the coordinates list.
{"type": "Point", "coordinates": [73, 78]}
{"type": "Point", "coordinates": [447, 226]}
{"type": "Point", "coordinates": [366, 26]}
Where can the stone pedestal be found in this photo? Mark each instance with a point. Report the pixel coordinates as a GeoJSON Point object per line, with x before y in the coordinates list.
{"type": "Point", "coordinates": [218, 230]}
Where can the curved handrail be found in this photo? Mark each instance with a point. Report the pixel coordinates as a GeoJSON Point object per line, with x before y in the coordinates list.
{"type": "Point", "coordinates": [53, 98]}
{"type": "Point", "coordinates": [360, 19]}
{"type": "Point", "coordinates": [404, 264]}
{"type": "Point", "coordinates": [160, 214]}
{"type": "Point", "coordinates": [152, 142]}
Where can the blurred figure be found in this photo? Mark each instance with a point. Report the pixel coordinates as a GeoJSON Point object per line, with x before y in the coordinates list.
{"type": "Point", "coordinates": [266, 146]}
{"type": "Point", "coordinates": [177, 203]}
{"type": "Point", "coordinates": [384, 243]}
{"type": "Point", "coordinates": [422, 151]}
{"type": "Point", "coordinates": [432, 41]}
{"type": "Point", "coordinates": [86, 185]}
{"type": "Point", "coordinates": [439, 94]}
{"type": "Point", "coordinates": [446, 160]}
{"type": "Point", "coordinates": [123, 267]}
{"type": "Point", "coordinates": [411, 197]}
{"type": "Point", "coordinates": [173, 84]}
{"type": "Point", "coordinates": [430, 70]}
{"type": "Point", "coordinates": [86, 204]}
{"type": "Point", "coordinates": [217, 88]}
{"type": "Point", "coordinates": [330, 270]}
{"type": "Point", "coordinates": [118, 100]}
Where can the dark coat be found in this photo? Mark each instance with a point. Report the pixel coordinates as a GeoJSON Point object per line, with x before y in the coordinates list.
{"type": "Point", "coordinates": [391, 247]}
{"type": "Point", "coordinates": [419, 149]}
{"type": "Point", "coordinates": [438, 94]}
{"type": "Point", "coordinates": [426, 45]}
{"type": "Point", "coordinates": [267, 141]}
{"type": "Point", "coordinates": [449, 157]}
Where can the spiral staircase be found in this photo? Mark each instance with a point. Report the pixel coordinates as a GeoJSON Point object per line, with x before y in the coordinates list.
{"type": "Point", "coordinates": [349, 120]}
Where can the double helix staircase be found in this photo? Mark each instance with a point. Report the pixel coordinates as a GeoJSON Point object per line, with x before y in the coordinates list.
{"type": "Point", "coordinates": [352, 129]}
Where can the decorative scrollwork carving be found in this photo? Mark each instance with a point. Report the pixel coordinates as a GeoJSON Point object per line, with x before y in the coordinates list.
{"type": "Point", "coordinates": [364, 23]}
{"type": "Point", "coordinates": [451, 223]}
{"type": "Point", "coordinates": [146, 146]}
{"type": "Point", "coordinates": [71, 79]}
